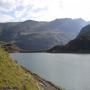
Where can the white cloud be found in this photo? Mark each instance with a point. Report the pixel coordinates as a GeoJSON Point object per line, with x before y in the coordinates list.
{"type": "Point", "coordinates": [48, 9]}
{"type": "Point", "coordinates": [45, 9]}
{"type": "Point", "coordinates": [76, 8]}
{"type": "Point", "coordinates": [6, 18]}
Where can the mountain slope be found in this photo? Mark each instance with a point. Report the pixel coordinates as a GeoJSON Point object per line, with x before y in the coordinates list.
{"type": "Point", "coordinates": [37, 36]}
{"type": "Point", "coordinates": [14, 76]}
{"type": "Point", "coordinates": [81, 44]}
{"type": "Point", "coordinates": [85, 32]}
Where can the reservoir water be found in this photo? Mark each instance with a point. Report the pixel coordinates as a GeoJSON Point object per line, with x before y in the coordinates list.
{"type": "Point", "coordinates": [71, 71]}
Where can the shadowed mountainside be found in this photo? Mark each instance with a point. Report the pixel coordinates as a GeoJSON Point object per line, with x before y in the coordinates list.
{"type": "Point", "coordinates": [81, 44]}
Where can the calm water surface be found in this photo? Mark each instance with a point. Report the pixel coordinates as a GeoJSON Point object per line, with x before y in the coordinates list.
{"type": "Point", "coordinates": [71, 71]}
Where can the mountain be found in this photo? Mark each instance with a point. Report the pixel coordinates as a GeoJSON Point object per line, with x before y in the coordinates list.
{"type": "Point", "coordinates": [15, 77]}
{"type": "Point", "coordinates": [85, 32]}
{"type": "Point", "coordinates": [81, 44]}
{"type": "Point", "coordinates": [38, 36]}
{"type": "Point", "coordinates": [82, 41]}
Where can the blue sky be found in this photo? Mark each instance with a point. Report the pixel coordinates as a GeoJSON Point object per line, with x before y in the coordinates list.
{"type": "Point", "coordinates": [43, 10]}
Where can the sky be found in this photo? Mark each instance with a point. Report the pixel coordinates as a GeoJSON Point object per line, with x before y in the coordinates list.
{"type": "Point", "coordinates": [43, 10]}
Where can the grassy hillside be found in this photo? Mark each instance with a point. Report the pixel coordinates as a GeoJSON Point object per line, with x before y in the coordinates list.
{"type": "Point", "coordinates": [9, 47]}
{"type": "Point", "coordinates": [15, 77]}
{"type": "Point", "coordinates": [12, 75]}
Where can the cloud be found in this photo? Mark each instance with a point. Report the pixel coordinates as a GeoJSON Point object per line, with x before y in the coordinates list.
{"type": "Point", "coordinates": [76, 8]}
{"type": "Point", "coordinates": [44, 9]}
{"type": "Point", "coordinates": [19, 10]}
{"type": "Point", "coordinates": [6, 18]}
{"type": "Point", "coordinates": [29, 9]}
{"type": "Point", "coordinates": [7, 4]}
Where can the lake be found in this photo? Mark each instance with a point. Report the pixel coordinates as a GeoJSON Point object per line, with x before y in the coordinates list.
{"type": "Point", "coordinates": [71, 71]}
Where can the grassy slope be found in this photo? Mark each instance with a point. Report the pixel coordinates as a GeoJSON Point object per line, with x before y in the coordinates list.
{"type": "Point", "coordinates": [13, 75]}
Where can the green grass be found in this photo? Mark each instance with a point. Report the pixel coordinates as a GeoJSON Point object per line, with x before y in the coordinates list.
{"type": "Point", "coordinates": [13, 75]}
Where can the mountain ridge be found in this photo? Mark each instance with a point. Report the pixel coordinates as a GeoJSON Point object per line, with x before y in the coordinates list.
{"type": "Point", "coordinates": [35, 36]}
